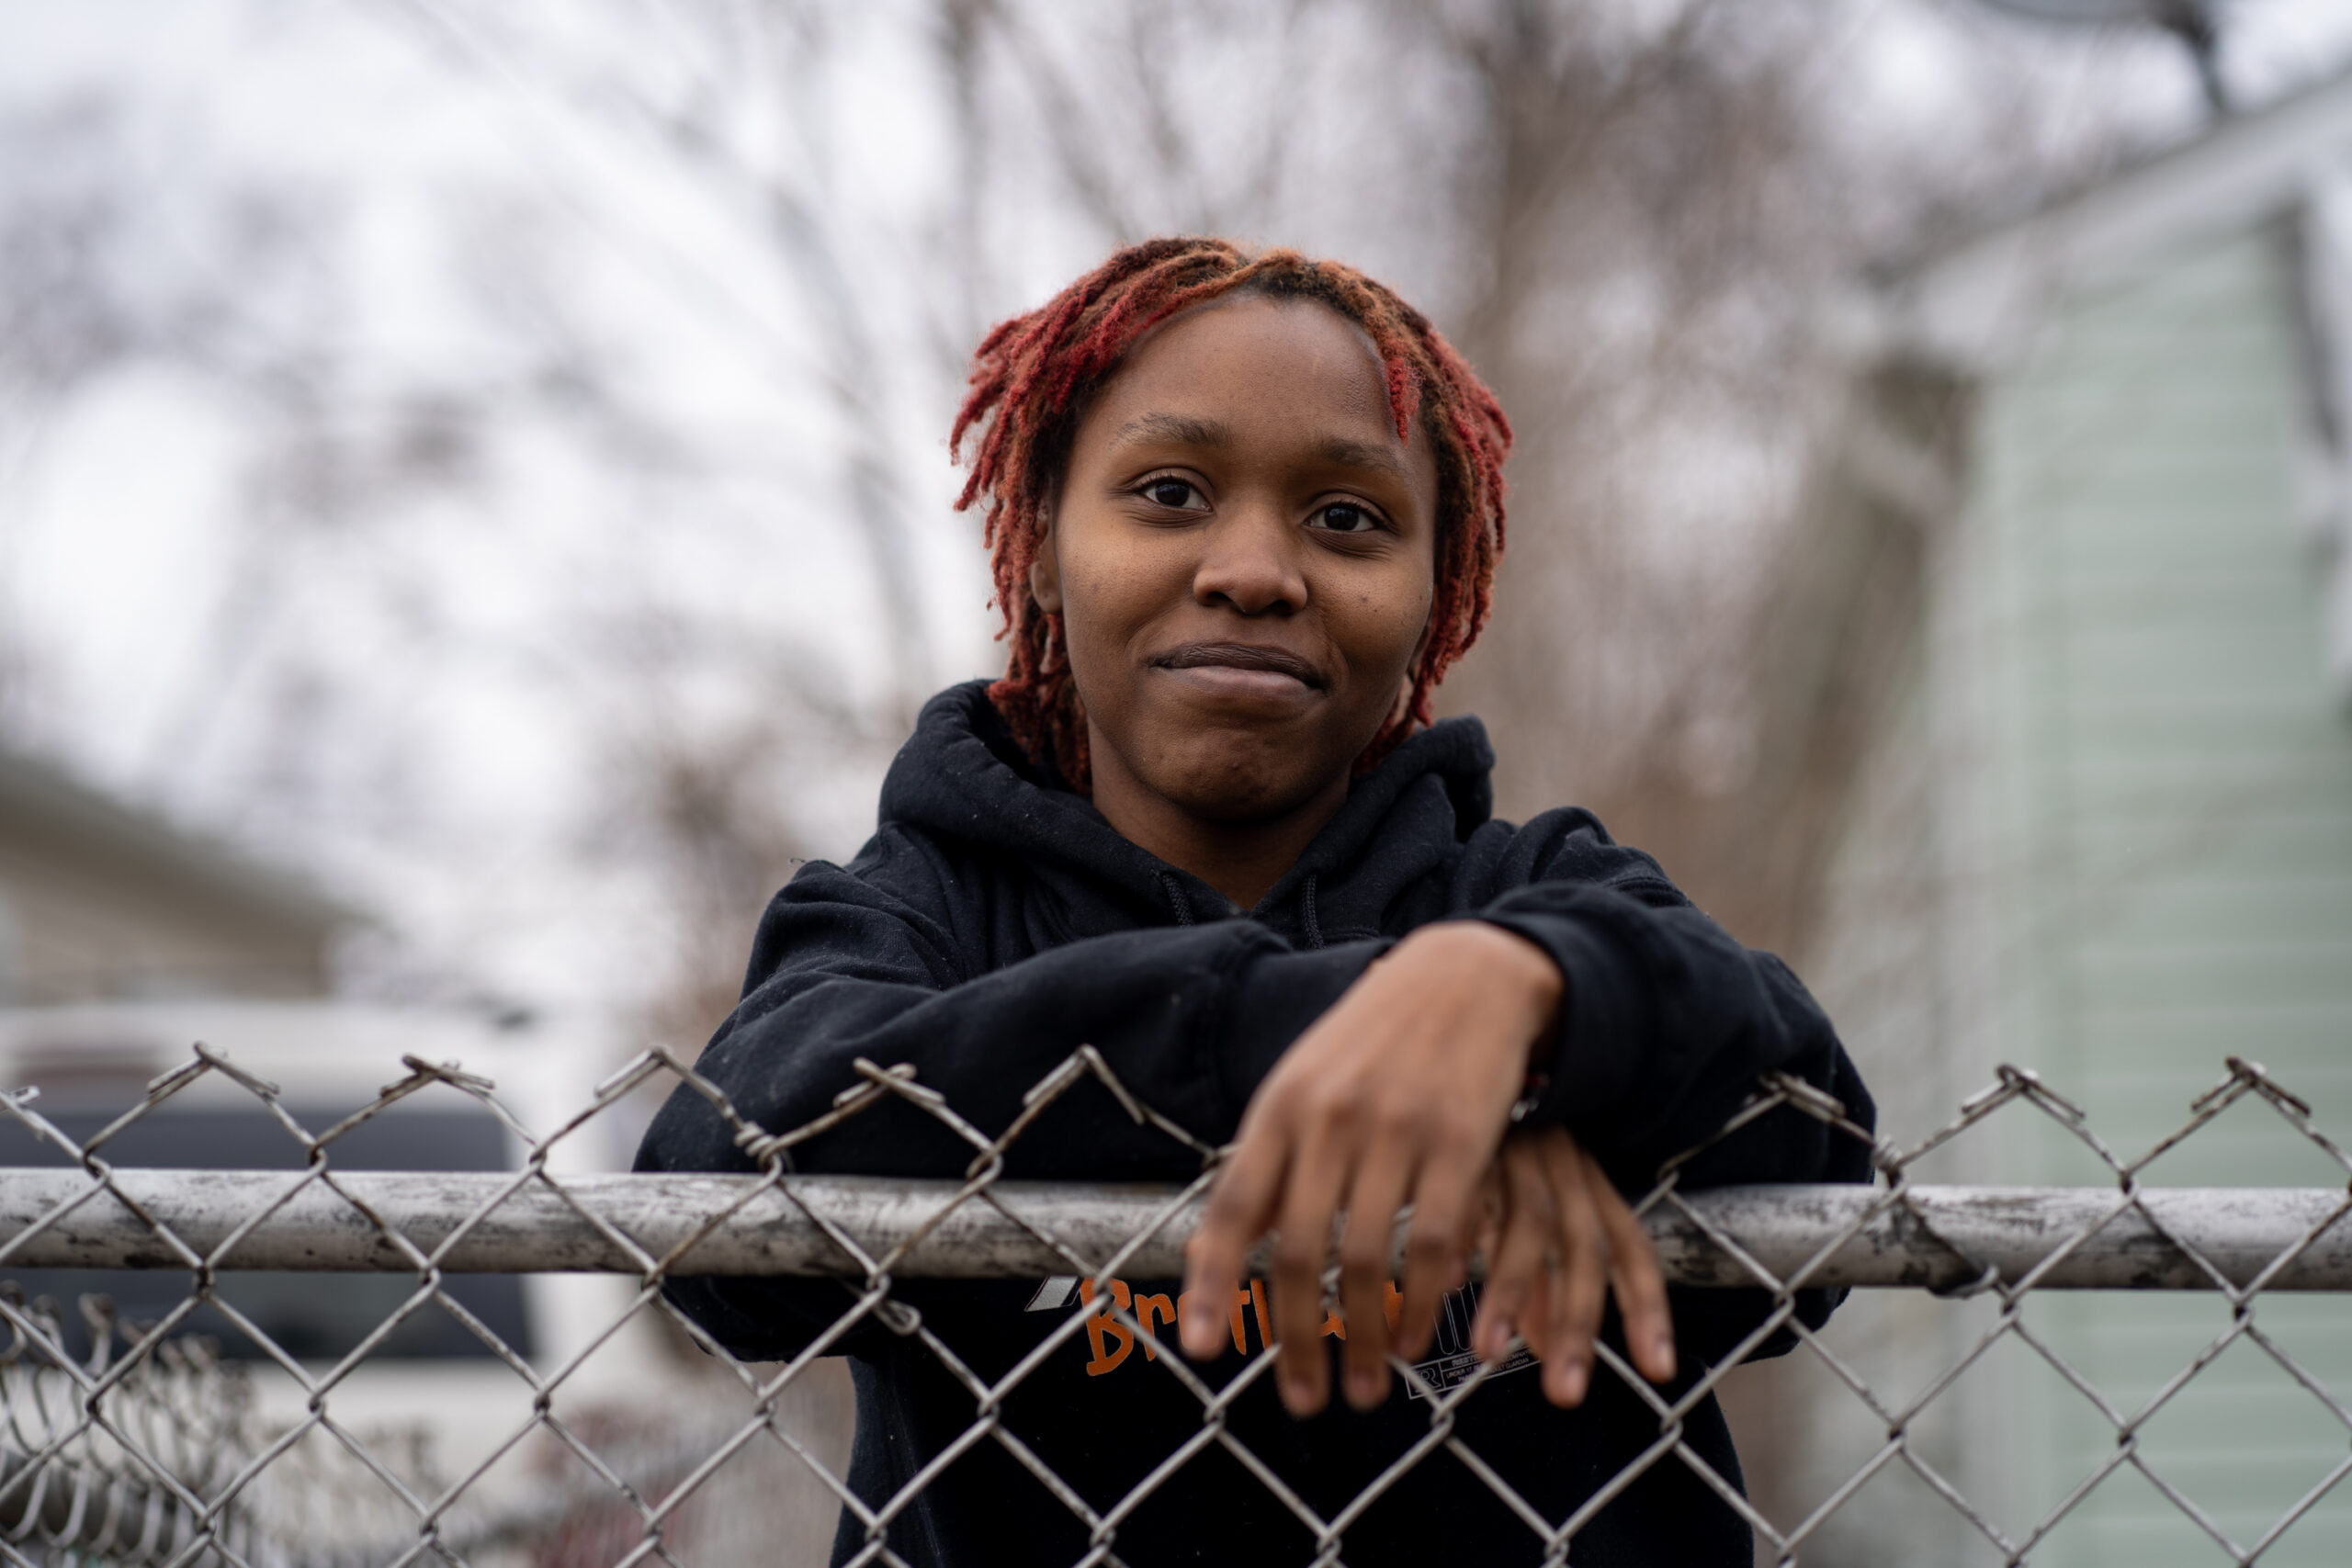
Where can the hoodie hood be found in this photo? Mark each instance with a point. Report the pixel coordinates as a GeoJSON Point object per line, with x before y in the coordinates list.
{"type": "Point", "coordinates": [962, 776]}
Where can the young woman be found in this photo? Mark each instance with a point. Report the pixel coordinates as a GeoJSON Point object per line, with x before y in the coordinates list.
{"type": "Point", "coordinates": [1245, 511]}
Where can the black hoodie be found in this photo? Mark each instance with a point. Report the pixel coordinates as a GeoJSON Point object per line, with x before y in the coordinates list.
{"type": "Point", "coordinates": [997, 921]}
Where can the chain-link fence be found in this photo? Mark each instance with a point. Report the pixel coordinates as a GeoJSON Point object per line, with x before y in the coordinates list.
{"type": "Point", "coordinates": [202, 1436]}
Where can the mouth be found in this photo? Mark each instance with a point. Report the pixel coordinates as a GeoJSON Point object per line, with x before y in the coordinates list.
{"type": "Point", "coordinates": [1241, 669]}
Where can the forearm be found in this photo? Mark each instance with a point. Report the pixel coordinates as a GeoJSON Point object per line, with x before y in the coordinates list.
{"type": "Point", "coordinates": [1667, 1027]}
{"type": "Point", "coordinates": [1187, 1021]}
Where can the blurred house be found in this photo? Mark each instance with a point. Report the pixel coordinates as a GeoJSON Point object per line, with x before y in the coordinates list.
{"type": "Point", "coordinates": [123, 940]}
{"type": "Point", "coordinates": [2075, 645]}
{"type": "Point", "coordinates": [100, 902]}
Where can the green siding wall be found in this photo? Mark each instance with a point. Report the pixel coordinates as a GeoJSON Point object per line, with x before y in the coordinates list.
{"type": "Point", "coordinates": [2161, 854]}
{"type": "Point", "coordinates": [2178, 777]}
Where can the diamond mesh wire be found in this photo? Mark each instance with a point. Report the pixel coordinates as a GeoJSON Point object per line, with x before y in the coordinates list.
{"type": "Point", "coordinates": [149, 1446]}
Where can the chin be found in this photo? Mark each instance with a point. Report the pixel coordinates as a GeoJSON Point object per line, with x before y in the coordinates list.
{"type": "Point", "coordinates": [1231, 778]}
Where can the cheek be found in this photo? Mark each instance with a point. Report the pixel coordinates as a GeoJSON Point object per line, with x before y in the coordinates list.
{"type": "Point", "coordinates": [1381, 625]}
{"type": "Point", "coordinates": [1094, 597]}
{"type": "Point", "coordinates": [1108, 596]}
{"type": "Point", "coordinates": [1107, 603]}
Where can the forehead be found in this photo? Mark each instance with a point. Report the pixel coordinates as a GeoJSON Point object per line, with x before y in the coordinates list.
{"type": "Point", "coordinates": [1266, 368]}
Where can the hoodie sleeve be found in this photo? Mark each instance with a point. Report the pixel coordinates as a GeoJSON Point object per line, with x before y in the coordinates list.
{"type": "Point", "coordinates": [1667, 1025]}
{"type": "Point", "coordinates": [862, 964]}
{"type": "Point", "coordinates": [842, 968]}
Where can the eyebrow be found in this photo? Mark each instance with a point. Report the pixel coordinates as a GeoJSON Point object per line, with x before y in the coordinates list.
{"type": "Point", "coordinates": [1349, 453]}
{"type": "Point", "coordinates": [1177, 427]}
{"type": "Point", "coordinates": [1190, 430]}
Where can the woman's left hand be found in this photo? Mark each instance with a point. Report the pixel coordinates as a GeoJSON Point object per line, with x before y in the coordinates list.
{"type": "Point", "coordinates": [1557, 1240]}
{"type": "Point", "coordinates": [1399, 1094]}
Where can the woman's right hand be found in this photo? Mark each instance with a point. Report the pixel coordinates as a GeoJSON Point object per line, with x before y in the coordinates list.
{"type": "Point", "coordinates": [1398, 1095]}
{"type": "Point", "coordinates": [1558, 1238]}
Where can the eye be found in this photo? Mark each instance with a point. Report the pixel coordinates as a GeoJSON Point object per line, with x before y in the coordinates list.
{"type": "Point", "coordinates": [1346, 517]}
{"type": "Point", "coordinates": [1176, 495]}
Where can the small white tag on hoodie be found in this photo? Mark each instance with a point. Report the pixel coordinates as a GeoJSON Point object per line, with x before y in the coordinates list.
{"type": "Point", "coordinates": [1055, 1293]}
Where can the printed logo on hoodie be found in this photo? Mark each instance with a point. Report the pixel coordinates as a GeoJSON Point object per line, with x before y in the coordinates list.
{"type": "Point", "coordinates": [1113, 1342]}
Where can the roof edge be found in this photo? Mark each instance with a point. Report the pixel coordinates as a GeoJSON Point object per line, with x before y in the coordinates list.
{"type": "Point", "coordinates": [53, 803]}
{"type": "Point", "coordinates": [1973, 302]}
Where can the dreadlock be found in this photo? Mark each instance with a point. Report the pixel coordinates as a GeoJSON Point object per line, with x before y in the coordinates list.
{"type": "Point", "coordinates": [1031, 379]}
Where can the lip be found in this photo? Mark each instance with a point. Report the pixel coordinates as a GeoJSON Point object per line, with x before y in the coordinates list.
{"type": "Point", "coordinates": [1241, 669]}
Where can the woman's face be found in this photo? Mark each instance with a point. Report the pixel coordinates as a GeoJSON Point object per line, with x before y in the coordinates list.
{"type": "Point", "coordinates": [1243, 554]}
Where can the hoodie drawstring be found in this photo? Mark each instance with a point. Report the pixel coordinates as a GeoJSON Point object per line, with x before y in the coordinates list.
{"type": "Point", "coordinates": [1176, 897]}
{"type": "Point", "coordinates": [1314, 925]}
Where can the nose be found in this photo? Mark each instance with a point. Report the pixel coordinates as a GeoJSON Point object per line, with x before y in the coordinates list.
{"type": "Point", "coordinates": [1251, 562]}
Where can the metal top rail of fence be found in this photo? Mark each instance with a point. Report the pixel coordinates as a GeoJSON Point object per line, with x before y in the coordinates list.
{"type": "Point", "coordinates": [145, 1446]}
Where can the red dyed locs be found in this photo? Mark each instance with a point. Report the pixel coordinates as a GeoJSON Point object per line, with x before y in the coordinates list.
{"type": "Point", "coordinates": [1031, 379]}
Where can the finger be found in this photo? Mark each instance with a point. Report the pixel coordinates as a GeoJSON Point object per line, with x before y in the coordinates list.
{"type": "Point", "coordinates": [1492, 1206]}
{"type": "Point", "coordinates": [1515, 1260]}
{"type": "Point", "coordinates": [1303, 1241]}
{"type": "Point", "coordinates": [1380, 1187]}
{"type": "Point", "coordinates": [1490, 1212]}
{"type": "Point", "coordinates": [1634, 1274]}
{"type": "Point", "coordinates": [1436, 1251]}
{"type": "Point", "coordinates": [1239, 1210]}
{"type": "Point", "coordinates": [1582, 1287]}
{"type": "Point", "coordinates": [1534, 1322]}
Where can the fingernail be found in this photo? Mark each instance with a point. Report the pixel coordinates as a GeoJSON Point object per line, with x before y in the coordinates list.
{"type": "Point", "coordinates": [1570, 1383]}
{"type": "Point", "coordinates": [1363, 1389]}
{"type": "Point", "coordinates": [1296, 1393]}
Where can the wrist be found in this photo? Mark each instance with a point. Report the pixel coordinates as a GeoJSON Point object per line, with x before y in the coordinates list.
{"type": "Point", "coordinates": [1530, 968]}
{"type": "Point", "coordinates": [1509, 966]}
